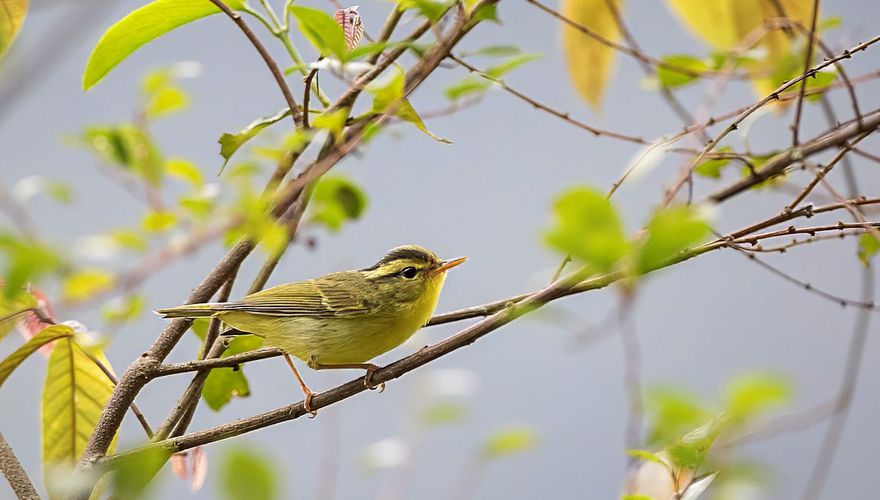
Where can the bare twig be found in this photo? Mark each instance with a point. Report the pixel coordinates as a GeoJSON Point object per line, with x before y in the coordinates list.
{"type": "Point", "coordinates": [808, 61]}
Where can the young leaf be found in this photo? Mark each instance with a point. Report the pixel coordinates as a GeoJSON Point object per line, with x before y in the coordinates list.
{"type": "Point", "coordinates": [819, 80]}
{"type": "Point", "coordinates": [466, 87]}
{"type": "Point", "coordinates": [589, 61]}
{"type": "Point", "coordinates": [13, 310]}
{"type": "Point", "coordinates": [388, 98]}
{"type": "Point", "coordinates": [869, 245]}
{"type": "Point", "coordinates": [713, 167]}
{"type": "Point", "coordinates": [333, 122]}
{"type": "Point", "coordinates": [246, 474]}
{"type": "Point", "coordinates": [184, 170]}
{"type": "Point", "coordinates": [128, 147]}
{"type": "Point", "coordinates": [321, 30]}
{"type": "Point", "coordinates": [509, 441]}
{"type": "Point", "coordinates": [230, 143]}
{"type": "Point", "coordinates": [335, 200]}
{"type": "Point", "coordinates": [588, 228]}
{"type": "Point", "coordinates": [83, 284]}
{"type": "Point", "coordinates": [647, 456]}
{"type": "Point", "coordinates": [50, 334]}
{"type": "Point", "coordinates": [223, 384]}
{"type": "Point", "coordinates": [751, 395]}
{"type": "Point", "coordinates": [671, 78]}
{"type": "Point", "coordinates": [670, 232]}
{"type": "Point", "coordinates": [442, 413]}
{"type": "Point", "coordinates": [75, 393]}
{"type": "Point", "coordinates": [432, 10]}
{"type": "Point", "coordinates": [12, 14]}
{"type": "Point", "coordinates": [141, 27]}
{"type": "Point", "coordinates": [133, 478]}
{"type": "Point", "coordinates": [511, 64]}
{"type": "Point", "coordinates": [691, 450]}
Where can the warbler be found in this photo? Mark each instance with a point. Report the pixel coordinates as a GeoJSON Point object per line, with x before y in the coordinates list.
{"type": "Point", "coordinates": [342, 319]}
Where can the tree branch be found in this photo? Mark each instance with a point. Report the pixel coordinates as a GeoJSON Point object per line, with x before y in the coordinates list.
{"type": "Point", "coordinates": [18, 478]}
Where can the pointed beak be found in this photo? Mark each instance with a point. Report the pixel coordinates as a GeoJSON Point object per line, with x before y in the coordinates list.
{"type": "Point", "coordinates": [449, 264]}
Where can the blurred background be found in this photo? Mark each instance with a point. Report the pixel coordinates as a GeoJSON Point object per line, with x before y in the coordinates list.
{"type": "Point", "coordinates": [557, 377]}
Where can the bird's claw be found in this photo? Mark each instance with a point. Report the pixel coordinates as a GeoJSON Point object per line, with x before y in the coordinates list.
{"type": "Point", "coordinates": [307, 405]}
{"type": "Point", "coordinates": [368, 380]}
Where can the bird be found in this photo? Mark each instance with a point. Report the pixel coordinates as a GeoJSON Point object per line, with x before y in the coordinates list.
{"type": "Point", "coordinates": [341, 320]}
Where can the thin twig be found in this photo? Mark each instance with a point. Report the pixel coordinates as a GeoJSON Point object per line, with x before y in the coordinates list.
{"type": "Point", "coordinates": [808, 61]}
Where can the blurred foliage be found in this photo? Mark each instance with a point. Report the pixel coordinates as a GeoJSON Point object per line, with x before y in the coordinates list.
{"type": "Point", "coordinates": [24, 261]}
{"type": "Point", "coordinates": [443, 413]}
{"type": "Point", "coordinates": [335, 200]}
{"type": "Point", "coordinates": [869, 245]}
{"type": "Point", "coordinates": [714, 166]}
{"type": "Point", "coordinates": [589, 61]}
{"type": "Point", "coordinates": [321, 30]}
{"type": "Point", "coordinates": [508, 441]}
{"type": "Point", "coordinates": [12, 309]}
{"type": "Point", "coordinates": [247, 474]}
{"type": "Point", "coordinates": [133, 479]}
{"type": "Point", "coordinates": [12, 14]}
{"type": "Point", "coordinates": [471, 86]}
{"type": "Point", "coordinates": [671, 78]}
{"type": "Point", "coordinates": [588, 228]}
{"type": "Point", "coordinates": [230, 143]}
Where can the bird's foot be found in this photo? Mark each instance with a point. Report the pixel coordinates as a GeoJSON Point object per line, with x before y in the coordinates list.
{"type": "Point", "coordinates": [307, 405]}
{"type": "Point", "coordinates": [368, 379]}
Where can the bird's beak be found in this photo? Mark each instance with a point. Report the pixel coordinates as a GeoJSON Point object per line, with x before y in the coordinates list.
{"type": "Point", "coordinates": [449, 264]}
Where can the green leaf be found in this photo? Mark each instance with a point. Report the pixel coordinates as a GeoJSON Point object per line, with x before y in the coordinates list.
{"type": "Point", "coordinates": [511, 64]}
{"type": "Point", "coordinates": [442, 413]}
{"type": "Point", "coordinates": [126, 146]}
{"type": "Point", "coordinates": [494, 51]}
{"type": "Point", "coordinates": [691, 450]}
{"type": "Point", "coordinates": [670, 232]}
{"type": "Point", "coordinates": [673, 413]}
{"type": "Point", "coordinates": [466, 87]}
{"type": "Point", "coordinates": [83, 284]}
{"type": "Point", "coordinates": [388, 98]}
{"type": "Point", "coordinates": [166, 101]}
{"type": "Point", "coordinates": [647, 456]}
{"type": "Point", "coordinates": [25, 261]}
{"type": "Point", "coordinates": [819, 80]}
{"type": "Point", "coordinates": [133, 478]}
{"type": "Point", "coordinates": [588, 228]}
{"type": "Point", "coordinates": [869, 245]}
{"type": "Point", "coordinates": [713, 167]}
{"type": "Point", "coordinates": [230, 143]}
{"type": "Point", "coordinates": [670, 78]}
{"type": "Point", "coordinates": [751, 395]}
{"type": "Point", "coordinates": [128, 309]}
{"type": "Point", "coordinates": [321, 30]}
{"type": "Point", "coordinates": [332, 121]}
{"type": "Point", "coordinates": [12, 14]}
{"type": "Point", "coordinates": [510, 441]}
{"type": "Point", "coordinates": [432, 10]}
{"type": "Point", "coordinates": [223, 384]}
{"type": "Point", "coordinates": [141, 27]}
{"type": "Point", "coordinates": [50, 334]}
{"type": "Point", "coordinates": [830, 23]}
{"type": "Point", "coordinates": [247, 474]}
{"type": "Point", "coordinates": [335, 200]}
{"type": "Point", "coordinates": [12, 310]}
{"type": "Point", "coordinates": [637, 496]}
{"type": "Point", "coordinates": [184, 170]}
{"type": "Point", "coordinates": [74, 394]}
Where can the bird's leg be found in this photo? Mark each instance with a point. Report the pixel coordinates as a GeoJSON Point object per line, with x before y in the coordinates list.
{"type": "Point", "coordinates": [308, 393]}
{"type": "Point", "coordinates": [368, 378]}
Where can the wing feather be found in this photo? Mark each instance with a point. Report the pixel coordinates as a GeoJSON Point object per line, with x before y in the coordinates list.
{"type": "Point", "coordinates": [327, 297]}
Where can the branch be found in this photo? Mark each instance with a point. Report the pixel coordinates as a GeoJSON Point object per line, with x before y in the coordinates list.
{"type": "Point", "coordinates": [499, 314]}
{"type": "Point", "coordinates": [273, 66]}
{"type": "Point", "coordinates": [862, 126]}
{"type": "Point", "coordinates": [808, 61]}
{"type": "Point", "coordinates": [16, 475]}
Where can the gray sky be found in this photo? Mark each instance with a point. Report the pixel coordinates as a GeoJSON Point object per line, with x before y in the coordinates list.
{"type": "Point", "coordinates": [487, 196]}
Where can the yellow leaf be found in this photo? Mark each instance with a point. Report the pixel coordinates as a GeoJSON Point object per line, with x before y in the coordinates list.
{"type": "Point", "coordinates": [83, 284]}
{"type": "Point", "coordinates": [12, 14]}
{"type": "Point", "coordinates": [50, 334]}
{"type": "Point", "coordinates": [589, 61]}
{"type": "Point", "coordinates": [74, 395]}
{"type": "Point", "coordinates": [725, 24]}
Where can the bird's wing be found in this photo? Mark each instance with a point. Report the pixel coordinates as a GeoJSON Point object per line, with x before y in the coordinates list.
{"type": "Point", "coordinates": [320, 298]}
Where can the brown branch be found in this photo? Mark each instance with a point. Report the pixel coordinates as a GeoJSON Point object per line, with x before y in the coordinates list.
{"type": "Point", "coordinates": [777, 165]}
{"type": "Point", "coordinates": [499, 314]}
{"type": "Point", "coordinates": [808, 61]}
{"type": "Point", "coordinates": [267, 58]}
{"type": "Point", "coordinates": [769, 98]}
{"type": "Point", "coordinates": [822, 173]}
{"type": "Point", "coordinates": [211, 363]}
{"type": "Point", "coordinates": [15, 474]}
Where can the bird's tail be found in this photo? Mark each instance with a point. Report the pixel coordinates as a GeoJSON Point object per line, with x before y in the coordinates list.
{"type": "Point", "coordinates": [188, 311]}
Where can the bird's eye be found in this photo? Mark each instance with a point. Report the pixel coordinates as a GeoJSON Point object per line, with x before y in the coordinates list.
{"type": "Point", "coordinates": [409, 273]}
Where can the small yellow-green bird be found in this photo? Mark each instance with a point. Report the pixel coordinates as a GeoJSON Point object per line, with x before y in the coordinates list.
{"type": "Point", "coordinates": [340, 320]}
